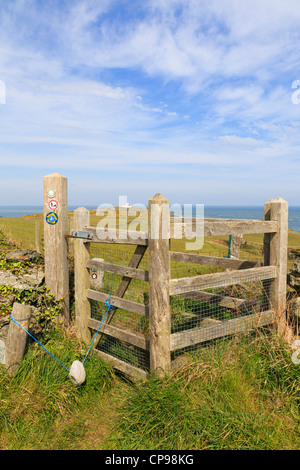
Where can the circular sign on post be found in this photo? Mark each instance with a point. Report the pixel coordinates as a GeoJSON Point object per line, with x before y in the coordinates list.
{"type": "Point", "coordinates": [53, 205]}
{"type": "Point", "coordinates": [51, 193]}
{"type": "Point", "coordinates": [51, 218]}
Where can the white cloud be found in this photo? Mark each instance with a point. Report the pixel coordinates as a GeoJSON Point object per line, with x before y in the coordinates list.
{"type": "Point", "coordinates": [174, 87]}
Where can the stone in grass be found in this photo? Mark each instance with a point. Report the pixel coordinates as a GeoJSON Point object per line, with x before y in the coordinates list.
{"type": "Point", "coordinates": [77, 373]}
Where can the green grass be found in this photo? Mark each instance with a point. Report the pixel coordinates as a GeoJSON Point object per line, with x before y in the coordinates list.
{"type": "Point", "coordinates": [237, 394]}
{"type": "Point", "coordinates": [240, 395]}
{"type": "Point", "coordinates": [40, 396]}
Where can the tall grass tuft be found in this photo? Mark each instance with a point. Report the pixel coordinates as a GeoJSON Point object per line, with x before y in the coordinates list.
{"type": "Point", "coordinates": [40, 394]}
{"type": "Point", "coordinates": [241, 394]}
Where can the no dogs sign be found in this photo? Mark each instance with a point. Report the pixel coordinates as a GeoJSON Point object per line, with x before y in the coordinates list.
{"type": "Point", "coordinates": [53, 205]}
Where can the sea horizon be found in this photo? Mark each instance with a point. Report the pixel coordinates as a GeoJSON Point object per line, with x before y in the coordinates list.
{"type": "Point", "coordinates": [210, 211]}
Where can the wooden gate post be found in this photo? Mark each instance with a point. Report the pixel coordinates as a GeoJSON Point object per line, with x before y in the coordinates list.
{"type": "Point", "coordinates": [275, 254]}
{"type": "Point", "coordinates": [159, 277]}
{"type": "Point", "coordinates": [17, 337]}
{"type": "Point", "coordinates": [82, 277]}
{"type": "Point", "coordinates": [55, 244]}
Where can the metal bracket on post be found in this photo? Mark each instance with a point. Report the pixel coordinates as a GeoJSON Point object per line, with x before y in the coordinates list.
{"type": "Point", "coordinates": [82, 234]}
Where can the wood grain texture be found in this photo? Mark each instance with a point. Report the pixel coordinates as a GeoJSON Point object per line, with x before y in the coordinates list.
{"type": "Point", "coordinates": [275, 253]}
{"type": "Point", "coordinates": [133, 372]}
{"type": "Point", "coordinates": [100, 264]}
{"type": "Point", "coordinates": [159, 278]}
{"type": "Point", "coordinates": [55, 244]}
{"type": "Point", "coordinates": [125, 237]}
{"type": "Point", "coordinates": [81, 217]}
{"type": "Point", "coordinates": [206, 281]}
{"type": "Point", "coordinates": [123, 335]}
{"type": "Point", "coordinates": [213, 227]}
{"type": "Point", "coordinates": [122, 288]}
{"type": "Point", "coordinates": [118, 302]}
{"type": "Point", "coordinates": [220, 329]}
{"type": "Point", "coordinates": [213, 261]}
{"type": "Point", "coordinates": [17, 338]}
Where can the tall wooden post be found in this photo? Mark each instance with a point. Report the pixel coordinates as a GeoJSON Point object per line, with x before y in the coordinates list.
{"type": "Point", "coordinates": [55, 244]}
{"type": "Point", "coordinates": [82, 277]}
{"type": "Point", "coordinates": [159, 277]}
{"type": "Point", "coordinates": [17, 337]}
{"type": "Point", "coordinates": [38, 237]}
{"type": "Point", "coordinates": [275, 254]}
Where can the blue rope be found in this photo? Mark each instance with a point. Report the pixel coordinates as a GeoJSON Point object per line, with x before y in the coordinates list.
{"type": "Point", "coordinates": [107, 304]}
{"type": "Point", "coordinates": [37, 342]}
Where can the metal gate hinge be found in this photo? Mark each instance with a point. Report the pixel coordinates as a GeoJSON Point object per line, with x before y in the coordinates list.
{"type": "Point", "coordinates": [82, 234]}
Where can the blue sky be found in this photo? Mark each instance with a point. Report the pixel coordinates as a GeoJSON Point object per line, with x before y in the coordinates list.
{"type": "Point", "coordinates": [192, 99]}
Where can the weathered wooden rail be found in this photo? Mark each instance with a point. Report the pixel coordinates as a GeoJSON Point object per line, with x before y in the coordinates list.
{"type": "Point", "coordinates": [161, 342]}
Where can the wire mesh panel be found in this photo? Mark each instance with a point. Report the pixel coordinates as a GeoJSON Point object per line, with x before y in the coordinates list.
{"type": "Point", "coordinates": [138, 291]}
{"type": "Point", "coordinates": [206, 314]}
{"type": "Point", "coordinates": [135, 325]}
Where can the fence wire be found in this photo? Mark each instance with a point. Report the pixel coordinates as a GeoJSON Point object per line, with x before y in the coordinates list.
{"type": "Point", "coordinates": [207, 312]}
{"type": "Point", "coordinates": [138, 291]}
{"type": "Point", "coordinates": [211, 311]}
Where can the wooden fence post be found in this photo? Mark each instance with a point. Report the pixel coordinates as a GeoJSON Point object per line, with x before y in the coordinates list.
{"type": "Point", "coordinates": [159, 277]}
{"type": "Point", "coordinates": [82, 277]}
{"type": "Point", "coordinates": [38, 237]}
{"type": "Point", "coordinates": [17, 337]}
{"type": "Point", "coordinates": [55, 244]}
{"type": "Point", "coordinates": [275, 254]}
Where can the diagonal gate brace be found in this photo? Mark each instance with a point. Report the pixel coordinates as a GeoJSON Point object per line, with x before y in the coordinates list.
{"type": "Point", "coordinates": [124, 284]}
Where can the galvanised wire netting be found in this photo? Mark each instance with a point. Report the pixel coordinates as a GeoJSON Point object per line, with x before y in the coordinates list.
{"type": "Point", "coordinates": [218, 311]}
{"type": "Point", "coordinates": [207, 310]}
{"type": "Point", "coordinates": [137, 291]}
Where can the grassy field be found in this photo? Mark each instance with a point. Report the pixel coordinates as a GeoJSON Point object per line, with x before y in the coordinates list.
{"type": "Point", "coordinates": [241, 394]}
{"type": "Point", "coordinates": [236, 394]}
{"type": "Point", "coordinates": [22, 231]}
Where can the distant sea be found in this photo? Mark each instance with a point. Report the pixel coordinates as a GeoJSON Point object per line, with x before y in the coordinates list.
{"type": "Point", "coordinates": [211, 212]}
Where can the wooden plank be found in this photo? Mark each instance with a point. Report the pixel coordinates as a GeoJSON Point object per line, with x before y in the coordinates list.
{"type": "Point", "coordinates": [55, 243]}
{"type": "Point", "coordinates": [124, 284]}
{"type": "Point", "coordinates": [207, 281]}
{"type": "Point", "coordinates": [133, 372]}
{"type": "Point", "coordinates": [127, 237]}
{"type": "Point", "coordinates": [275, 253]}
{"type": "Point", "coordinates": [118, 302]}
{"type": "Point", "coordinates": [127, 336]}
{"type": "Point", "coordinates": [239, 305]}
{"type": "Point", "coordinates": [134, 273]}
{"type": "Point", "coordinates": [225, 328]}
{"type": "Point", "coordinates": [81, 217]}
{"type": "Point", "coordinates": [213, 261]}
{"type": "Point", "coordinates": [159, 278]}
{"type": "Point", "coordinates": [17, 338]}
{"type": "Point", "coordinates": [38, 237]}
{"type": "Point", "coordinates": [213, 227]}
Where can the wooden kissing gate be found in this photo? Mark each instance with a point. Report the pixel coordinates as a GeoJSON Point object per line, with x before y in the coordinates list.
{"type": "Point", "coordinates": [161, 342]}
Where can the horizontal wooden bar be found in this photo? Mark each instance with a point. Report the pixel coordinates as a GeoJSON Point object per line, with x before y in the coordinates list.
{"type": "Point", "coordinates": [134, 273]}
{"type": "Point", "coordinates": [213, 261]}
{"type": "Point", "coordinates": [127, 336]}
{"type": "Point", "coordinates": [238, 227]}
{"type": "Point", "coordinates": [126, 237]}
{"type": "Point", "coordinates": [133, 372]}
{"type": "Point", "coordinates": [214, 227]}
{"type": "Point", "coordinates": [220, 329]}
{"type": "Point", "coordinates": [239, 305]}
{"type": "Point", "coordinates": [129, 305]}
{"type": "Point", "coordinates": [207, 281]}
